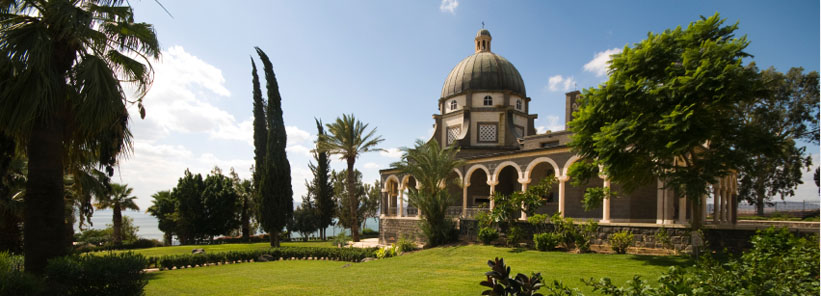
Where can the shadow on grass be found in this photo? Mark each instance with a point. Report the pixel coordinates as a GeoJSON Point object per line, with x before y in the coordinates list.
{"type": "Point", "coordinates": [663, 260]}
{"type": "Point", "coordinates": [517, 250]}
{"type": "Point", "coordinates": [152, 276]}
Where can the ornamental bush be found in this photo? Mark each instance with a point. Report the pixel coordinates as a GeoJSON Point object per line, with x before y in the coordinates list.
{"type": "Point", "coordinates": [286, 253]}
{"type": "Point", "coordinates": [620, 241]}
{"type": "Point", "coordinates": [487, 235]}
{"type": "Point", "coordinates": [546, 241]}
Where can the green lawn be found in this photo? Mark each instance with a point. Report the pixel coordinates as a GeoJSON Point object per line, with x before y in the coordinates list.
{"type": "Point", "coordinates": [177, 250]}
{"type": "Point", "coordinates": [440, 271]}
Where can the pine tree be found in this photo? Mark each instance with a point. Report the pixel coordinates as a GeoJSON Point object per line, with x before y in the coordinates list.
{"type": "Point", "coordinates": [321, 186]}
{"type": "Point", "coordinates": [276, 202]}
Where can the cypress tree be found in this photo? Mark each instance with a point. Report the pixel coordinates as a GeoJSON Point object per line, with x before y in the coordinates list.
{"type": "Point", "coordinates": [276, 205]}
{"type": "Point", "coordinates": [321, 187]}
{"type": "Point", "coordinates": [260, 130]}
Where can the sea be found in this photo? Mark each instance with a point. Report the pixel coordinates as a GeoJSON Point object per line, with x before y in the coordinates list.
{"type": "Point", "coordinates": [147, 224]}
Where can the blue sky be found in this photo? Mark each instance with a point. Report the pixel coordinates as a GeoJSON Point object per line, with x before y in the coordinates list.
{"type": "Point", "coordinates": [386, 61]}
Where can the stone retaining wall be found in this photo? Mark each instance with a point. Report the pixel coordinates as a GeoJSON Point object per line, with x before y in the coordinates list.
{"type": "Point", "coordinates": [647, 238]}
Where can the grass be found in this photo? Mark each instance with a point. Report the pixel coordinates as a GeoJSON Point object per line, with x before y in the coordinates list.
{"type": "Point", "coordinates": [178, 250]}
{"type": "Point", "coordinates": [440, 271]}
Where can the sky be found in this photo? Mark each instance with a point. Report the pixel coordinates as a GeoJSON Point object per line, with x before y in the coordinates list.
{"type": "Point", "coordinates": [386, 61]}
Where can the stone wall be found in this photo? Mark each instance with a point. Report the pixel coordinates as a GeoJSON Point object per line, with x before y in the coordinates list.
{"type": "Point", "coordinates": [674, 239]}
{"type": "Point", "coordinates": [391, 229]}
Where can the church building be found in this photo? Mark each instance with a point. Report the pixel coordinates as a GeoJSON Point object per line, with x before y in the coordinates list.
{"type": "Point", "coordinates": [484, 110]}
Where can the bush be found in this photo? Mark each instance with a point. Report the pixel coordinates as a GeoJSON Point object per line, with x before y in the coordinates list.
{"type": "Point", "coordinates": [546, 241]}
{"type": "Point", "coordinates": [386, 252]}
{"type": "Point", "coordinates": [341, 254]}
{"type": "Point", "coordinates": [112, 274]}
{"type": "Point", "coordinates": [565, 230]}
{"type": "Point", "coordinates": [340, 240]}
{"type": "Point", "coordinates": [488, 235]}
{"type": "Point", "coordinates": [500, 282]}
{"type": "Point", "coordinates": [585, 235]}
{"type": "Point", "coordinates": [405, 245]}
{"type": "Point", "coordinates": [367, 232]}
{"type": "Point", "coordinates": [13, 281]}
{"type": "Point", "coordinates": [515, 234]}
{"type": "Point", "coordinates": [619, 241]}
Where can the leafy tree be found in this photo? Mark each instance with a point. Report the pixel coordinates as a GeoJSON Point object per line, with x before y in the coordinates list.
{"type": "Point", "coordinates": [432, 167]}
{"type": "Point", "coordinates": [348, 138]}
{"type": "Point", "coordinates": [669, 110]}
{"type": "Point", "coordinates": [60, 88]}
{"type": "Point", "coordinates": [787, 113]}
{"type": "Point", "coordinates": [343, 198]}
{"type": "Point", "coordinates": [164, 208]}
{"type": "Point", "coordinates": [370, 205]}
{"type": "Point", "coordinates": [188, 195]}
{"type": "Point", "coordinates": [118, 199]}
{"type": "Point", "coordinates": [276, 205]}
{"type": "Point", "coordinates": [245, 193]}
{"type": "Point", "coordinates": [321, 187]}
{"type": "Point", "coordinates": [305, 218]}
{"type": "Point", "coordinates": [221, 204]}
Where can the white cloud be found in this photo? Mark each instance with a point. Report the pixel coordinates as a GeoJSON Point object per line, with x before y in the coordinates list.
{"type": "Point", "coordinates": [371, 165]}
{"type": "Point", "coordinates": [449, 6]}
{"type": "Point", "coordinates": [600, 62]}
{"type": "Point", "coordinates": [297, 135]}
{"type": "Point", "coordinates": [552, 124]}
{"type": "Point", "coordinates": [299, 149]}
{"type": "Point", "coordinates": [391, 153]}
{"type": "Point", "coordinates": [559, 83]}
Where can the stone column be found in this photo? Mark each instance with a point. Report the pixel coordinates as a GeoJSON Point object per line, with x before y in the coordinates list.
{"type": "Point", "coordinates": [492, 191]}
{"type": "Point", "coordinates": [605, 216]}
{"type": "Point", "coordinates": [465, 198]}
{"type": "Point", "coordinates": [682, 210]}
{"type": "Point", "coordinates": [669, 206]}
{"type": "Point", "coordinates": [716, 200]}
{"type": "Point", "coordinates": [562, 181]}
{"type": "Point", "coordinates": [400, 211]}
{"type": "Point", "coordinates": [418, 210]}
{"type": "Point", "coordinates": [524, 189]}
{"type": "Point", "coordinates": [659, 202]}
{"type": "Point", "coordinates": [386, 203]}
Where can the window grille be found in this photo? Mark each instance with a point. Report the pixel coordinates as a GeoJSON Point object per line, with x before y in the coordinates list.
{"type": "Point", "coordinates": [487, 132]}
{"type": "Point", "coordinates": [453, 133]}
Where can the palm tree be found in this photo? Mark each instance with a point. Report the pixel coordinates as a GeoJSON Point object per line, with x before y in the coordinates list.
{"type": "Point", "coordinates": [347, 138]}
{"type": "Point", "coordinates": [432, 166]}
{"type": "Point", "coordinates": [60, 88]}
{"type": "Point", "coordinates": [120, 199]}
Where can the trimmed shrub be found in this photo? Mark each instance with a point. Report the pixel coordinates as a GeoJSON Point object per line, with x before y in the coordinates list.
{"type": "Point", "coordinates": [405, 245]}
{"type": "Point", "coordinates": [340, 240]}
{"type": "Point", "coordinates": [514, 235]}
{"type": "Point", "coordinates": [619, 241]}
{"type": "Point", "coordinates": [546, 241]}
{"type": "Point", "coordinates": [488, 235]}
{"type": "Point", "coordinates": [112, 274]}
{"type": "Point", "coordinates": [341, 254]}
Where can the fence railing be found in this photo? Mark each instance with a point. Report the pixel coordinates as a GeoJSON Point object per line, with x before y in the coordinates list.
{"type": "Point", "coordinates": [793, 207]}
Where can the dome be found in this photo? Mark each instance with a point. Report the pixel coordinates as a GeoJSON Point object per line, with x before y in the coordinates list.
{"type": "Point", "coordinates": [483, 71]}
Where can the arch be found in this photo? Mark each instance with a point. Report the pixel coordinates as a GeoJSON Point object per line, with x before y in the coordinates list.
{"type": "Point", "coordinates": [472, 169]}
{"type": "Point", "coordinates": [502, 165]}
{"type": "Point", "coordinates": [405, 180]}
{"type": "Point", "coordinates": [569, 162]}
{"type": "Point", "coordinates": [458, 173]}
{"type": "Point", "coordinates": [539, 160]}
{"type": "Point", "coordinates": [388, 181]}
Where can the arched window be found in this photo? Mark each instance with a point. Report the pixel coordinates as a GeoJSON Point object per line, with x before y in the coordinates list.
{"type": "Point", "coordinates": [488, 101]}
{"type": "Point", "coordinates": [519, 104]}
{"type": "Point", "coordinates": [453, 105]}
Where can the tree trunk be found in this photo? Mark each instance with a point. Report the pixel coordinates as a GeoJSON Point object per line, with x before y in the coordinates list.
{"type": "Point", "coordinates": [117, 234]}
{"type": "Point", "coordinates": [759, 204]}
{"type": "Point", "coordinates": [246, 223]}
{"type": "Point", "coordinates": [695, 205]}
{"type": "Point", "coordinates": [353, 203]}
{"type": "Point", "coordinates": [274, 238]}
{"type": "Point", "coordinates": [167, 238]}
{"type": "Point", "coordinates": [69, 230]}
{"type": "Point", "coordinates": [44, 207]}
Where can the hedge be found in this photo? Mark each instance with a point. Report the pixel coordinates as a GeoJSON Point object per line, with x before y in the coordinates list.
{"type": "Point", "coordinates": [287, 253]}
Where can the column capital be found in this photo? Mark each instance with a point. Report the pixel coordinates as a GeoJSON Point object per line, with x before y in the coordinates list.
{"type": "Point", "coordinates": [524, 181]}
{"type": "Point", "coordinates": [493, 183]}
{"type": "Point", "coordinates": [563, 179]}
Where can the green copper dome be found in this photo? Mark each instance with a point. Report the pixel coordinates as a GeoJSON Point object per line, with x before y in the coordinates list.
{"type": "Point", "coordinates": [483, 71]}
